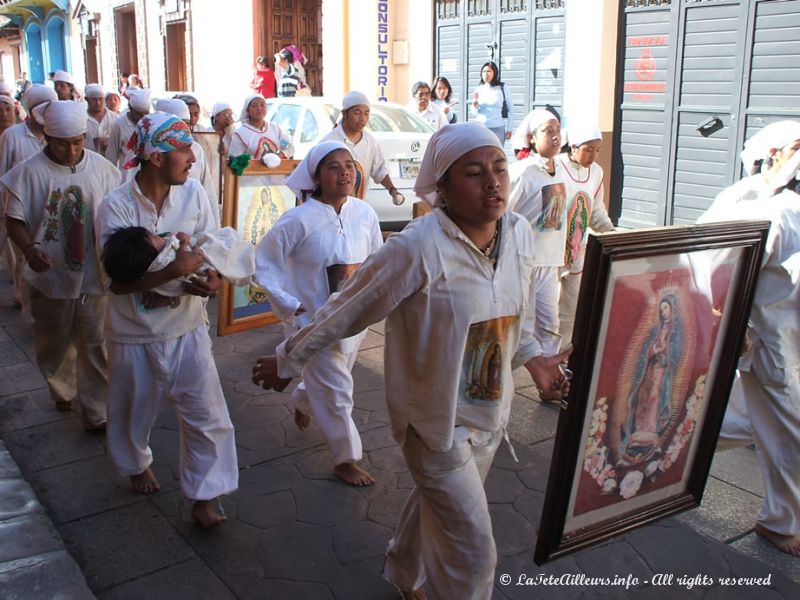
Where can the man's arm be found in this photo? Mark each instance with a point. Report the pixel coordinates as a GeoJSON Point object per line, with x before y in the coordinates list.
{"type": "Point", "coordinates": [19, 234]}
{"type": "Point", "coordinates": [186, 262]}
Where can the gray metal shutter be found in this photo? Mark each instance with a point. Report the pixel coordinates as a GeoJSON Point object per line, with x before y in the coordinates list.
{"type": "Point", "coordinates": [448, 62]}
{"type": "Point", "coordinates": [479, 36]}
{"type": "Point", "coordinates": [514, 64]}
{"type": "Point", "coordinates": [548, 67]}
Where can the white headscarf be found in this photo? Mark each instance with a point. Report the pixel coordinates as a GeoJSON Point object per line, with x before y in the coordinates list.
{"type": "Point", "coordinates": [139, 99]}
{"type": "Point", "coordinates": [580, 135]}
{"type": "Point", "coordinates": [94, 90]}
{"type": "Point", "coordinates": [37, 93]}
{"type": "Point", "coordinates": [7, 100]}
{"type": "Point", "coordinates": [174, 106]}
{"type": "Point", "coordinates": [243, 116]}
{"type": "Point", "coordinates": [772, 137]}
{"type": "Point", "coordinates": [63, 76]}
{"type": "Point", "coordinates": [219, 107]}
{"type": "Point", "coordinates": [354, 98]}
{"type": "Point", "coordinates": [445, 147]}
{"type": "Point", "coordinates": [302, 178]}
{"type": "Point", "coordinates": [61, 118]}
{"type": "Point", "coordinates": [4, 88]}
{"type": "Point", "coordinates": [529, 124]}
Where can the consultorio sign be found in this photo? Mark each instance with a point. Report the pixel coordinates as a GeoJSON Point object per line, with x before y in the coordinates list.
{"type": "Point", "coordinates": [383, 50]}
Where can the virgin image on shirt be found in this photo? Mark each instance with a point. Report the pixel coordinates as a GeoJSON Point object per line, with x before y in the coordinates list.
{"type": "Point", "coordinates": [482, 367]}
{"type": "Point", "coordinates": [554, 199]}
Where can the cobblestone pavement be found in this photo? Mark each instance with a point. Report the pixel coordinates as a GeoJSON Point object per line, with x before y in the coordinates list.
{"type": "Point", "coordinates": [294, 532]}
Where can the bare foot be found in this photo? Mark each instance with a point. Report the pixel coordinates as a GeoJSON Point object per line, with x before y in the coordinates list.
{"type": "Point", "coordinates": [145, 482]}
{"type": "Point", "coordinates": [353, 474]}
{"type": "Point", "coordinates": [414, 594]}
{"type": "Point", "coordinates": [302, 420]}
{"type": "Point", "coordinates": [205, 514]}
{"type": "Point", "coordinates": [785, 543]}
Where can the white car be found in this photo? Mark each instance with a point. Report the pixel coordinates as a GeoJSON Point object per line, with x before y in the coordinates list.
{"type": "Point", "coordinates": [401, 135]}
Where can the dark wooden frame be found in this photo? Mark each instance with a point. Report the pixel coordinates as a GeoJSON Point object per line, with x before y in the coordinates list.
{"type": "Point", "coordinates": [602, 251]}
{"type": "Point", "coordinates": [227, 323]}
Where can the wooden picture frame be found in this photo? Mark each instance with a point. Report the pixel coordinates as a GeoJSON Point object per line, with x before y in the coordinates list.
{"type": "Point", "coordinates": [209, 141]}
{"type": "Point", "coordinates": [252, 202]}
{"type": "Point", "coordinates": [662, 315]}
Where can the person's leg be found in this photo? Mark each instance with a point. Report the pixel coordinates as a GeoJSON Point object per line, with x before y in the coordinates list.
{"type": "Point", "coordinates": [329, 387]}
{"type": "Point", "coordinates": [456, 543]}
{"type": "Point", "coordinates": [22, 290]}
{"type": "Point", "coordinates": [92, 371]}
{"type": "Point", "coordinates": [136, 396]}
{"type": "Point", "coordinates": [500, 132]}
{"type": "Point", "coordinates": [775, 415]}
{"type": "Point", "coordinates": [208, 449]}
{"type": "Point", "coordinates": [55, 348]}
{"type": "Point", "coordinates": [736, 428]}
{"type": "Point", "coordinates": [570, 284]}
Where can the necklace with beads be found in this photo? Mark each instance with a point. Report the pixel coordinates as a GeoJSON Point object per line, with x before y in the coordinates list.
{"type": "Point", "coordinates": [490, 248]}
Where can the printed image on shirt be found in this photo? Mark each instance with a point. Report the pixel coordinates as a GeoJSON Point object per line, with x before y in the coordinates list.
{"type": "Point", "coordinates": [554, 197]}
{"type": "Point", "coordinates": [486, 352]}
{"type": "Point", "coordinates": [77, 226]}
{"type": "Point", "coordinates": [266, 146]}
{"type": "Point", "coordinates": [149, 300]}
{"type": "Point", "coordinates": [51, 223]}
{"type": "Point", "coordinates": [338, 275]}
{"type": "Point", "coordinates": [361, 181]}
{"type": "Point", "coordinates": [577, 225]}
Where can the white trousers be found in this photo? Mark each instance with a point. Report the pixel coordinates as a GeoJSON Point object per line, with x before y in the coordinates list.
{"type": "Point", "coordinates": [326, 392]}
{"type": "Point", "coordinates": [570, 286]}
{"type": "Point", "coordinates": [444, 534]}
{"type": "Point", "coordinates": [775, 415]}
{"type": "Point", "coordinates": [736, 427]}
{"type": "Point", "coordinates": [542, 314]}
{"type": "Point", "coordinates": [71, 352]}
{"type": "Point", "coordinates": [143, 378]}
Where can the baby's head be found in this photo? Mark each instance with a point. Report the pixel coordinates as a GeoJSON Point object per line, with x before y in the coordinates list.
{"type": "Point", "coordinates": [129, 252]}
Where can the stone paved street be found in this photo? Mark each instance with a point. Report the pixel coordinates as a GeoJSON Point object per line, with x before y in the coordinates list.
{"type": "Point", "coordinates": [295, 532]}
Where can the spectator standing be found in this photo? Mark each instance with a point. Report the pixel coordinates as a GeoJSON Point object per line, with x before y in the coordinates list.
{"type": "Point", "coordinates": [492, 103]}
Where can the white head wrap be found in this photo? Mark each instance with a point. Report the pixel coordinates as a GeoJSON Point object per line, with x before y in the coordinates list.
{"type": "Point", "coordinates": [37, 93]}
{"type": "Point", "coordinates": [354, 98]}
{"type": "Point", "coordinates": [302, 178]}
{"type": "Point", "coordinates": [94, 90]}
{"type": "Point", "coordinates": [175, 107]}
{"type": "Point", "coordinates": [7, 100]}
{"type": "Point", "coordinates": [63, 76]}
{"type": "Point", "coordinates": [580, 135]}
{"type": "Point", "coordinates": [774, 136]}
{"type": "Point", "coordinates": [219, 107]}
{"type": "Point", "coordinates": [530, 123]}
{"type": "Point", "coordinates": [61, 118]}
{"type": "Point", "coordinates": [243, 116]}
{"type": "Point", "coordinates": [139, 99]}
{"type": "Point", "coordinates": [4, 88]}
{"type": "Point", "coordinates": [445, 147]}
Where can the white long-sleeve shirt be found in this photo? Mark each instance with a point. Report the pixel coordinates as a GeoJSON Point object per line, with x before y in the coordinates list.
{"type": "Point", "coordinates": [246, 139]}
{"type": "Point", "coordinates": [585, 208]}
{"type": "Point", "coordinates": [121, 131]}
{"type": "Point", "coordinates": [144, 317]}
{"type": "Point", "coordinates": [18, 143]}
{"type": "Point", "coordinates": [542, 199]}
{"type": "Point", "coordinates": [98, 129]}
{"type": "Point", "coordinates": [453, 325]}
{"type": "Point", "coordinates": [294, 257]}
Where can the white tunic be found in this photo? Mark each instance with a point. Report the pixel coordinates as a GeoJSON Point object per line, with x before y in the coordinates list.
{"type": "Point", "coordinates": [271, 139]}
{"type": "Point", "coordinates": [59, 205]}
{"type": "Point", "coordinates": [585, 208]}
{"type": "Point", "coordinates": [453, 325]}
{"type": "Point", "coordinates": [145, 317]}
{"type": "Point", "coordinates": [18, 143]}
{"type": "Point", "coordinates": [121, 131]}
{"type": "Point", "coordinates": [366, 151]}
{"type": "Point", "coordinates": [95, 129]}
{"type": "Point", "coordinates": [542, 199]}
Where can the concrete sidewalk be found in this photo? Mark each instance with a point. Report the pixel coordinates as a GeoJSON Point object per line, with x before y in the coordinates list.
{"type": "Point", "coordinates": [295, 532]}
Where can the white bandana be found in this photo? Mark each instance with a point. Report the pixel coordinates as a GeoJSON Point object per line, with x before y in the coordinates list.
{"type": "Point", "coordinates": [243, 116]}
{"type": "Point", "coordinates": [63, 76]}
{"type": "Point", "coordinates": [302, 178]}
{"type": "Point", "coordinates": [578, 135]}
{"type": "Point", "coordinates": [772, 137]}
{"type": "Point", "coordinates": [62, 118]}
{"type": "Point", "coordinates": [174, 106]}
{"type": "Point", "coordinates": [4, 88]}
{"type": "Point", "coordinates": [354, 98]}
{"type": "Point", "coordinates": [445, 147]}
{"type": "Point", "coordinates": [37, 93]}
{"type": "Point", "coordinates": [94, 90]}
{"type": "Point", "coordinates": [532, 121]}
{"type": "Point", "coordinates": [139, 99]}
{"type": "Point", "coordinates": [219, 107]}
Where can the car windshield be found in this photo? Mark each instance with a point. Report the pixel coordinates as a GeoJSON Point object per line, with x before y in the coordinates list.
{"type": "Point", "coordinates": [384, 119]}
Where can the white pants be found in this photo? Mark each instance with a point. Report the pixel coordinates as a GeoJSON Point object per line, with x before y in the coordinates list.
{"type": "Point", "coordinates": [542, 314]}
{"type": "Point", "coordinates": [736, 427]}
{"type": "Point", "coordinates": [775, 415]}
{"type": "Point", "coordinates": [326, 392]}
{"type": "Point", "coordinates": [445, 532]}
{"type": "Point", "coordinates": [143, 377]}
{"type": "Point", "coordinates": [71, 352]}
{"type": "Point", "coordinates": [570, 286]}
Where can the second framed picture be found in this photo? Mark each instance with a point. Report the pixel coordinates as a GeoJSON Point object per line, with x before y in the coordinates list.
{"type": "Point", "coordinates": [661, 318]}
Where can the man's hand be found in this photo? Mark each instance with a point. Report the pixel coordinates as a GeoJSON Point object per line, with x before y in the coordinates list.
{"type": "Point", "coordinates": [265, 374]}
{"type": "Point", "coordinates": [204, 288]}
{"type": "Point", "coordinates": [37, 260]}
{"type": "Point", "coordinates": [187, 261]}
{"type": "Point", "coordinates": [549, 375]}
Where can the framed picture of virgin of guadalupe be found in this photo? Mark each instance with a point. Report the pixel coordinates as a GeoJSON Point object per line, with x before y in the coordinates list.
{"type": "Point", "coordinates": [251, 203]}
{"type": "Point", "coordinates": [661, 320]}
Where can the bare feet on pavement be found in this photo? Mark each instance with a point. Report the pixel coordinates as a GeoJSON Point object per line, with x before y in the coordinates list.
{"type": "Point", "coordinates": [302, 420]}
{"type": "Point", "coordinates": [785, 543]}
{"type": "Point", "coordinates": [145, 482]}
{"type": "Point", "coordinates": [205, 513]}
{"type": "Point", "coordinates": [353, 474]}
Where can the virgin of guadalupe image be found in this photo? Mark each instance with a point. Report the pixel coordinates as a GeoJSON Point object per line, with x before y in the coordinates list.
{"type": "Point", "coordinates": [660, 354]}
{"type": "Point", "coordinates": [77, 227]}
{"type": "Point", "coordinates": [482, 370]}
{"type": "Point", "coordinates": [266, 206]}
{"type": "Point", "coordinates": [577, 223]}
{"type": "Point", "coordinates": [360, 187]}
